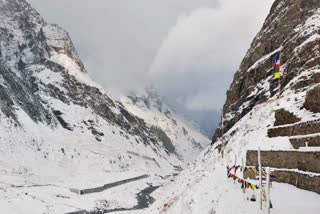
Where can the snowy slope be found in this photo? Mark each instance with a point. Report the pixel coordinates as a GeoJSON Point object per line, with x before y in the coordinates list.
{"type": "Point", "coordinates": [205, 187]}
{"type": "Point", "coordinates": [60, 130]}
{"type": "Point", "coordinates": [250, 112]}
{"type": "Point", "coordinates": [188, 141]}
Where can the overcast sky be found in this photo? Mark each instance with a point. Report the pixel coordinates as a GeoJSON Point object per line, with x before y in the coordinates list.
{"type": "Point", "coordinates": [189, 49]}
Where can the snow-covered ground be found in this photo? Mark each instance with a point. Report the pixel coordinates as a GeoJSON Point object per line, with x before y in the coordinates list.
{"type": "Point", "coordinates": [205, 188]}
{"type": "Point", "coordinates": [64, 131]}
{"type": "Point", "coordinates": [39, 165]}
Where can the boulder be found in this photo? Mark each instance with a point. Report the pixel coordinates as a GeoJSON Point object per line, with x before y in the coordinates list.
{"type": "Point", "coordinates": [312, 101]}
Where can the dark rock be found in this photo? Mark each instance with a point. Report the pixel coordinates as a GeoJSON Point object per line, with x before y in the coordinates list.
{"type": "Point", "coordinates": [284, 117]}
{"type": "Point", "coordinates": [312, 101]}
{"type": "Point", "coordinates": [279, 30]}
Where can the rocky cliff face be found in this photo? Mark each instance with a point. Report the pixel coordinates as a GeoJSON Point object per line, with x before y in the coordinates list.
{"type": "Point", "coordinates": [292, 27]}
{"type": "Point", "coordinates": [284, 128]}
{"type": "Point", "coordinates": [40, 66]}
{"type": "Point", "coordinates": [60, 130]}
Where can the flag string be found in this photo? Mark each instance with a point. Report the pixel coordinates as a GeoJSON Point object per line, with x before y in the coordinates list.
{"type": "Point", "coordinates": [244, 183]}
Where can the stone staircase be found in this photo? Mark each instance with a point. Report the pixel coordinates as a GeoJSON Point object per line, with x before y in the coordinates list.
{"type": "Point", "coordinates": [299, 166]}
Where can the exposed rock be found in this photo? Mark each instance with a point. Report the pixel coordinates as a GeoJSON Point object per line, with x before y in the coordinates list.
{"type": "Point", "coordinates": [253, 82]}
{"type": "Point", "coordinates": [312, 101]}
{"type": "Point", "coordinates": [284, 117]}
{"type": "Point", "coordinates": [31, 51]}
{"type": "Point", "coordinates": [306, 81]}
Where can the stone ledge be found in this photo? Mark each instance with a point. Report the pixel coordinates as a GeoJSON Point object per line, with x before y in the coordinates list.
{"type": "Point", "coordinates": [301, 142]}
{"type": "Point", "coordinates": [305, 161]}
{"type": "Point", "coordinates": [304, 128]}
{"type": "Point", "coordinates": [300, 180]}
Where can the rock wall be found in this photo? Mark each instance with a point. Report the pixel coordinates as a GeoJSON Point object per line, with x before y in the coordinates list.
{"type": "Point", "coordinates": [301, 142]}
{"type": "Point", "coordinates": [302, 181]}
{"type": "Point", "coordinates": [286, 29]}
{"type": "Point", "coordinates": [310, 127]}
{"type": "Point", "coordinates": [305, 161]}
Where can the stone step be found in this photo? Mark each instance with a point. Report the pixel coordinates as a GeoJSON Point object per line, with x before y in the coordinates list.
{"type": "Point", "coordinates": [313, 141]}
{"type": "Point", "coordinates": [307, 161]}
{"type": "Point", "coordinates": [303, 128]}
{"type": "Point", "coordinates": [301, 180]}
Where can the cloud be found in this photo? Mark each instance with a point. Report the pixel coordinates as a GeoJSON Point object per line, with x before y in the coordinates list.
{"type": "Point", "coordinates": [211, 38]}
{"type": "Point", "coordinates": [200, 101]}
{"type": "Point", "coordinates": [211, 41]}
{"type": "Point", "coordinates": [117, 39]}
{"type": "Point", "coordinates": [189, 49]}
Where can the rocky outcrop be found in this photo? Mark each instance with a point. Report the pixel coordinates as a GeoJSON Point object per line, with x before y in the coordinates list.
{"type": "Point", "coordinates": [284, 117]}
{"type": "Point", "coordinates": [39, 66]}
{"type": "Point", "coordinates": [298, 42]}
{"type": "Point", "coordinates": [312, 101]}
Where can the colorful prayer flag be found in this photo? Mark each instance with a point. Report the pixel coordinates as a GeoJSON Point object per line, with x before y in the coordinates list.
{"type": "Point", "coordinates": [277, 73]}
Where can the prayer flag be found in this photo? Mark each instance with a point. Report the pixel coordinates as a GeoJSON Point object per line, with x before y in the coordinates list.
{"type": "Point", "coordinates": [277, 73]}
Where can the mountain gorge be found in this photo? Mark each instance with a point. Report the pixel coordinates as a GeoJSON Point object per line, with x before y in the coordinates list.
{"type": "Point", "coordinates": [258, 115]}
{"type": "Point", "coordinates": [61, 132]}
{"type": "Point", "coordinates": [69, 146]}
{"type": "Point", "coordinates": [184, 135]}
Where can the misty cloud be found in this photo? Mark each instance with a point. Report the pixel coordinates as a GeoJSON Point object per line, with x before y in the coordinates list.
{"type": "Point", "coordinates": [211, 41]}
{"type": "Point", "coordinates": [117, 39]}
{"type": "Point", "coordinates": [189, 49]}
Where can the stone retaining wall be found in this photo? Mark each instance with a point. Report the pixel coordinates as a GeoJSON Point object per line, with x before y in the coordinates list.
{"type": "Point", "coordinates": [301, 181]}
{"type": "Point", "coordinates": [301, 142]}
{"type": "Point", "coordinates": [305, 161]}
{"type": "Point", "coordinates": [310, 127]}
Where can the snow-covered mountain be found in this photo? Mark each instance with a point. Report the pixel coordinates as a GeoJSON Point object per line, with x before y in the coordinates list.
{"type": "Point", "coordinates": [285, 126]}
{"type": "Point", "coordinates": [186, 138]}
{"type": "Point", "coordinates": [60, 132]}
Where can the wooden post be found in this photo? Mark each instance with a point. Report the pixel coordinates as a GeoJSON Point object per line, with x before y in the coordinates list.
{"type": "Point", "coordinates": [279, 75]}
{"type": "Point", "coordinates": [279, 86]}
{"type": "Point", "coordinates": [260, 177]}
{"type": "Point", "coordinates": [235, 163]}
{"type": "Point", "coordinates": [222, 143]}
{"type": "Point", "coordinates": [268, 189]}
{"type": "Point", "coordinates": [244, 189]}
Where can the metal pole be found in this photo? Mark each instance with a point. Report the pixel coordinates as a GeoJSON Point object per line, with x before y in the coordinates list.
{"type": "Point", "coordinates": [268, 189]}
{"type": "Point", "coordinates": [222, 148]}
{"type": "Point", "coordinates": [279, 87]}
{"type": "Point", "coordinates": [279, 75]}
{"type": "Point", "coordinates": [260, 177]}
{"type": "Point", "coordinates": [244, 189]}
{"type": "Point", "coordinates": [235, 164]}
